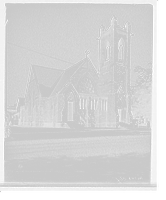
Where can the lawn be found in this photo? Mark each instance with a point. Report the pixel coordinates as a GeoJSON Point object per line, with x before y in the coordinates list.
{"type": "Point", "coordinates": [129, 168]}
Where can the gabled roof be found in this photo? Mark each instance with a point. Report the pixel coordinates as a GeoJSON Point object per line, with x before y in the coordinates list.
{"type": "Point", "coordinates": [46, 78]}
{"type": "Point", "coordinates": [44, 90]}
{"type": "Point", "coordinates": [65, 78]}
{"type": "Point", "coordinates": [50, 81]}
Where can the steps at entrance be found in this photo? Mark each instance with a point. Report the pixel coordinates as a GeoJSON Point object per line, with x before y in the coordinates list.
{"type": "Point", "coordinates": [73, 125]}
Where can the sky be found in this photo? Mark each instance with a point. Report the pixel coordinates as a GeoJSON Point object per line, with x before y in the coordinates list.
{"type": "Point", "coordinates": [44, 34]}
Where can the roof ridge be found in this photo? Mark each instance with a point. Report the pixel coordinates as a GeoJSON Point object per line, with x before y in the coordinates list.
{"type": "Point", "coordinates": [54, 85]}
{"type": "Point", "coordinates": [75, 64]}
{"type": "Point", "coordinates": [33, 65]}
{"type": "Point", "coordinates": [80, 64]}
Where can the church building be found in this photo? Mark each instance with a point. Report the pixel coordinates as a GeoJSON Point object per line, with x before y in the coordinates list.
{"type": "Point", "coordinates": [83, 95]}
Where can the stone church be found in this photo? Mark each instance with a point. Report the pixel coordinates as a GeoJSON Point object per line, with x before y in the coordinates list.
{"type": "Point", "coordinates": [83, 95]}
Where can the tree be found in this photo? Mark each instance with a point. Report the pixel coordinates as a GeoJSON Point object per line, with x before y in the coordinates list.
{"type": "Point", "coordinates": [141, 95]}
{"type": "Point", "coordinates": [7, 125]}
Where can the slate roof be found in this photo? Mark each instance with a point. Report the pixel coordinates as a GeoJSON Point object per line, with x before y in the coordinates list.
{"type": "Point", "coordinates": [45, 91]}
{"type": "Point", "coordinates": [67, 75]}
{"type": "Point", "coordinates": [46, 78]}
{"type": "Point", "coordinates": [50, 81]}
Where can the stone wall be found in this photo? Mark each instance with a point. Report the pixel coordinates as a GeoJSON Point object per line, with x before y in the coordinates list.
{"type": "Point", "coordinates": [57, 104]}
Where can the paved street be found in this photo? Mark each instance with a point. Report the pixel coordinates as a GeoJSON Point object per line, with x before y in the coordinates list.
{"type": "Point", "coordinates": [77, 147]}
{"type": "Point", "coordinates": [33, 133]}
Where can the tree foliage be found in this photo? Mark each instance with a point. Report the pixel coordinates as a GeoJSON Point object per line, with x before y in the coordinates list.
{"type": "Point", "coordinates": [141, 94]}
{"type": "Point", "coordinates": [7, 125]}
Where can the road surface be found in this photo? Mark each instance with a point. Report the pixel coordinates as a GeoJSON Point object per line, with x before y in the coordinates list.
{"type": "Point", "coordinates": [77, 147]}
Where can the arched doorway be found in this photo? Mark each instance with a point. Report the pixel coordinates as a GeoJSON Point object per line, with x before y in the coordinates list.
{"type": "Point", "coordinates": [70, 107]}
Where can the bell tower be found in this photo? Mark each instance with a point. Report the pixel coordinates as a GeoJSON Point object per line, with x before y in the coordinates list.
{"type": "Point", "coordinates": [114, 67]}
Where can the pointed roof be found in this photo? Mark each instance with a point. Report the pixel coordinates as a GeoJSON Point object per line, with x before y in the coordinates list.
{"type": "Point", "coordinates": [46, 78]}
{"type": "Point", "coordinates": [65, 78]}
{"type": "Point", "coordinates": [50, 80]}
{"type": "Point", "coordinates": [44, 90]}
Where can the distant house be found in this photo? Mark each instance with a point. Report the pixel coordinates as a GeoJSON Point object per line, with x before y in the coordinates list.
{"type": "Point", "coordinates": [11, 110]}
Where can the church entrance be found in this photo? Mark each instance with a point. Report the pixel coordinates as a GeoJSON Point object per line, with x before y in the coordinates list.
{"type": "Point", "coordinates": [70, 110]}
{"type": "Point", "coordinates": [121, 106]}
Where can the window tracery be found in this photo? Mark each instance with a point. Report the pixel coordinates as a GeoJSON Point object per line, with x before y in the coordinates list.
{"type": "Point", "coordinates": [86, 86]}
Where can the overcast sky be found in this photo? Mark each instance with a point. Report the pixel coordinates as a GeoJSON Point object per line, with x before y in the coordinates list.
{"type": "Point", "coordinates": [66, 31]}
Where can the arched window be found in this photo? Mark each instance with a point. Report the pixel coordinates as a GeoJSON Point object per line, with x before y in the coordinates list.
{"type": "Point", "coordinates": [121, 45]}
{"type": "Point", "coordinates": [86, 103]}
{"type": "Point", "coordinates": [91, 104]}
{"type": "Point", "coordinates": [120, 53]}
{"type": "Point", "coordinates": [94, 104]}
{"type": "Point", "coordinates": [80, 103]}
{"type": "Point", "coordinates": [83, 103]}
{"type": "Point", "coordinates": [107, 52]}
{"type": "Point", "coordinates": [71, 97]}
{"type": "Point", "coordinates": [103, 105]}
{"type": "Point", "coordinates": [106, 105]}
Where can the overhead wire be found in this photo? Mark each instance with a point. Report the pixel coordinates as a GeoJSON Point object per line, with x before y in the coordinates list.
{"type": "Point", "coordinates": [39, 53]}
{"type": "Point", "coordinates": [52, 57]}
